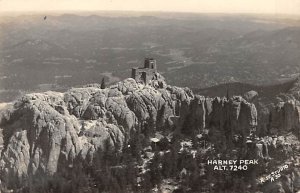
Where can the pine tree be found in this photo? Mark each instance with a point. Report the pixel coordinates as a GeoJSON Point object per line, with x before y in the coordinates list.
{"type": "Point", "coordinates": [155, 170]}
{"type": "Point", "coordinates": [103, 85]}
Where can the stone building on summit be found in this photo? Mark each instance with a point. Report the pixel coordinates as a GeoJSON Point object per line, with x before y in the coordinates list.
{"type": "Point", "coordinates": [146, 73]}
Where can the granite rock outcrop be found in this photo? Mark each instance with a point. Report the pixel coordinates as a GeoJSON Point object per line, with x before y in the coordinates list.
{"type": "Point", "coordinates": [47, 132]}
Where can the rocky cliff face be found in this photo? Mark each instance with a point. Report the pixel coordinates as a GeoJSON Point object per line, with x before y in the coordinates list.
{"type": "Point", "coordinates": [277, 132]}
{"type": "Point", "coordinates": [47, 132]}
{"type": "Point", "coordinates": [279, 114]}
{"type": "Point", "coordinates": [285, 117]}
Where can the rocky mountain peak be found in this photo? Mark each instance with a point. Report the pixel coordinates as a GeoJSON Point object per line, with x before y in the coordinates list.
{"type": "Point", "coordinates": [52, 133]}
{"type": "Point", "coordinates": [47, 132]}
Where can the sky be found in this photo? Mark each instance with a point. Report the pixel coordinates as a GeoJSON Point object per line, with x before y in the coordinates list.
{"type": "Point", "coordinates": [202, 6]}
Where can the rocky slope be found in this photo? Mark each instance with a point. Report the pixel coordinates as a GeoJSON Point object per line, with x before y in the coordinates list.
{"type": "Point", "coordinates": [278, 126]}
{"type": "Point", "coordinates": [47, 133]}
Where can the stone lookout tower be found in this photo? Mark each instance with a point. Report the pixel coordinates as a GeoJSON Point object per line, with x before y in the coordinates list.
{"type": "Point", "coordinates": [146, 73]}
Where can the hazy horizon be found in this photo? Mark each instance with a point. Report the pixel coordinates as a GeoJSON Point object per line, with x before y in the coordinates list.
{"type": "Point", "coordinates": [274, 7]}
{"type": "Point", "coordinates": [134, 13]}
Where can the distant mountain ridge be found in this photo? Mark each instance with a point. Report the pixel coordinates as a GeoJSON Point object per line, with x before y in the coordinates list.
{"type": "Point", "coordinates": [238, 88]}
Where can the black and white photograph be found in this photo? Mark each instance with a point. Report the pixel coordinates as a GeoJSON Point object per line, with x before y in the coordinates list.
{"type": "Point", "coordinates": [140, 96]}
